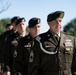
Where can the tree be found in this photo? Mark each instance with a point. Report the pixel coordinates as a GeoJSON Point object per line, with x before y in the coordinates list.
{"type": "Point", "coordinates": [3, 23]}
{"type": "Point", "coordinates": [4, 6]}
{"type": "Point", "coordinates": [71, 27]}
{"type": "Point", "coordinates": [27, 29]}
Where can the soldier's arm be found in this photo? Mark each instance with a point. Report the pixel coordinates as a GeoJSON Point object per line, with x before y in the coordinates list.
{"type": "Point", "coordinates": [74, 60]}
{"type": "Point", "coordinates": [6, 58]}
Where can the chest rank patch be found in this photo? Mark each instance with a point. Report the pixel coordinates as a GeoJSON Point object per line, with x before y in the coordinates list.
{"type": "Point", "coordinates": [31, 56]}
{"type": "Point", "coordinates": [15, 54]}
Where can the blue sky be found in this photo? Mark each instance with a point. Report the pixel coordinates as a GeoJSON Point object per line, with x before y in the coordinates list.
{"type": "Point", "coordinates": [40, 8]}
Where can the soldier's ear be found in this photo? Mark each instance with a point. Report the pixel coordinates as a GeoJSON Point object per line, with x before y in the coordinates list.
{"type": "Point", "coordinates": [48, 23]}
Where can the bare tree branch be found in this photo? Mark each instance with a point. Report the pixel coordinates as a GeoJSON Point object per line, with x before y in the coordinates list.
{"type": "Point", "coordinates": [4, 7]}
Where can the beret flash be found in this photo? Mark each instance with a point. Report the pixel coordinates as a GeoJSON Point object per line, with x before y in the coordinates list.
{"type": "Point", "coordinates": [33, 21]}
{"type": "Point", "coordinates": [14, 19]}
{"type": "Point", "coordinates": [20, 20]}
{"type": "Point", "coordinates": [57, 14]}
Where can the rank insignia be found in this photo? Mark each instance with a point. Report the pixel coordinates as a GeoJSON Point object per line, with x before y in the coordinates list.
{"type": "Point", "coordinates": [61, 15]}
{"type": "Point", "coordinates": [38, 21]}
{"type": "Point", "coordinates": [31, 56]}
{"type": "Point", "coordinates": [23, 20]}
{"type": "Point", "coordinates": [15, 53]}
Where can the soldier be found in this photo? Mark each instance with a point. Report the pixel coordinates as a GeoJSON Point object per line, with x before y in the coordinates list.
{"type": "Point", "coordinates": [9, 27]}
{"type": "Point", "coordinates": [54, 51]}
{"type": "Point", "coordinates": [13, 23]}
{"type": "Point", "coordinates": [4, 36]}
{"type": "Point", "coordinates": [24, 47]}
{"type": "Point", "coordinates": [11, 45]}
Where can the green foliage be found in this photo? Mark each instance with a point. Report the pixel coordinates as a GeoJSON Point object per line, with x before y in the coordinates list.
{"type": "Point", "coordinates": [3, 23]}
{"type": "Point", "coordinates": [27, 29]}
{"type": "Point", "coordinates": [71, 27]}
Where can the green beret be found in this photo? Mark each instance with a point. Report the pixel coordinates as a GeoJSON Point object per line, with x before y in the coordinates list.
{"type": "Point", "coordinates": [8, 25]}
{"type": "Point", "coordinates": [20, 20]}
{"type": "Point", "coordinates": [52, 16]}
{"type": "Point", "coordinates": [33, 22]}
{"type": "Point", "coordinates": [14, 19]}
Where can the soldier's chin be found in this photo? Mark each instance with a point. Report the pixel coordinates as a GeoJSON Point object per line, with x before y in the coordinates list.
{"type": "Point", "coordinates": [57, 32]}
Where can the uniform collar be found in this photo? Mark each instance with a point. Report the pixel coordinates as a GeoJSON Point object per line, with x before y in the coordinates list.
{"type": "Point", "coordinates": [58, 35]}
{"type": "Point", "coordinates": [23, 35]}
{"type": "Point", "coordinates": [29, 36]}
{"type": "Point", "coordinates": [49, 34]}
{"type": "Point", "coordinates": [54, 34]}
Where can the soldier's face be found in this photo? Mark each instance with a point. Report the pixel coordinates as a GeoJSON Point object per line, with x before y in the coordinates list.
{"type": "Point", "coordinates": [34, 31]}
{"type": "Point", "coordinates": [21, 27]}
{"type": "Point", "coordinates": [55, 25]}
{"type": "Point", "coordinates": [9, 28]}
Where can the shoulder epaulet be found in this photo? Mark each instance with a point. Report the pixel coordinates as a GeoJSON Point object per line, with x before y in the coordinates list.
{"type": "Point", "coordinates": [38, 38]}
{"type": "Point", "coordinates": [69, 34]}
{"type": "Point", "coordinates": [66, 33]}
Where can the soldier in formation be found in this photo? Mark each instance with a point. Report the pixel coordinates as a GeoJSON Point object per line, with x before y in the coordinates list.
{"type": "Point", "coordinates": [54, 51]}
